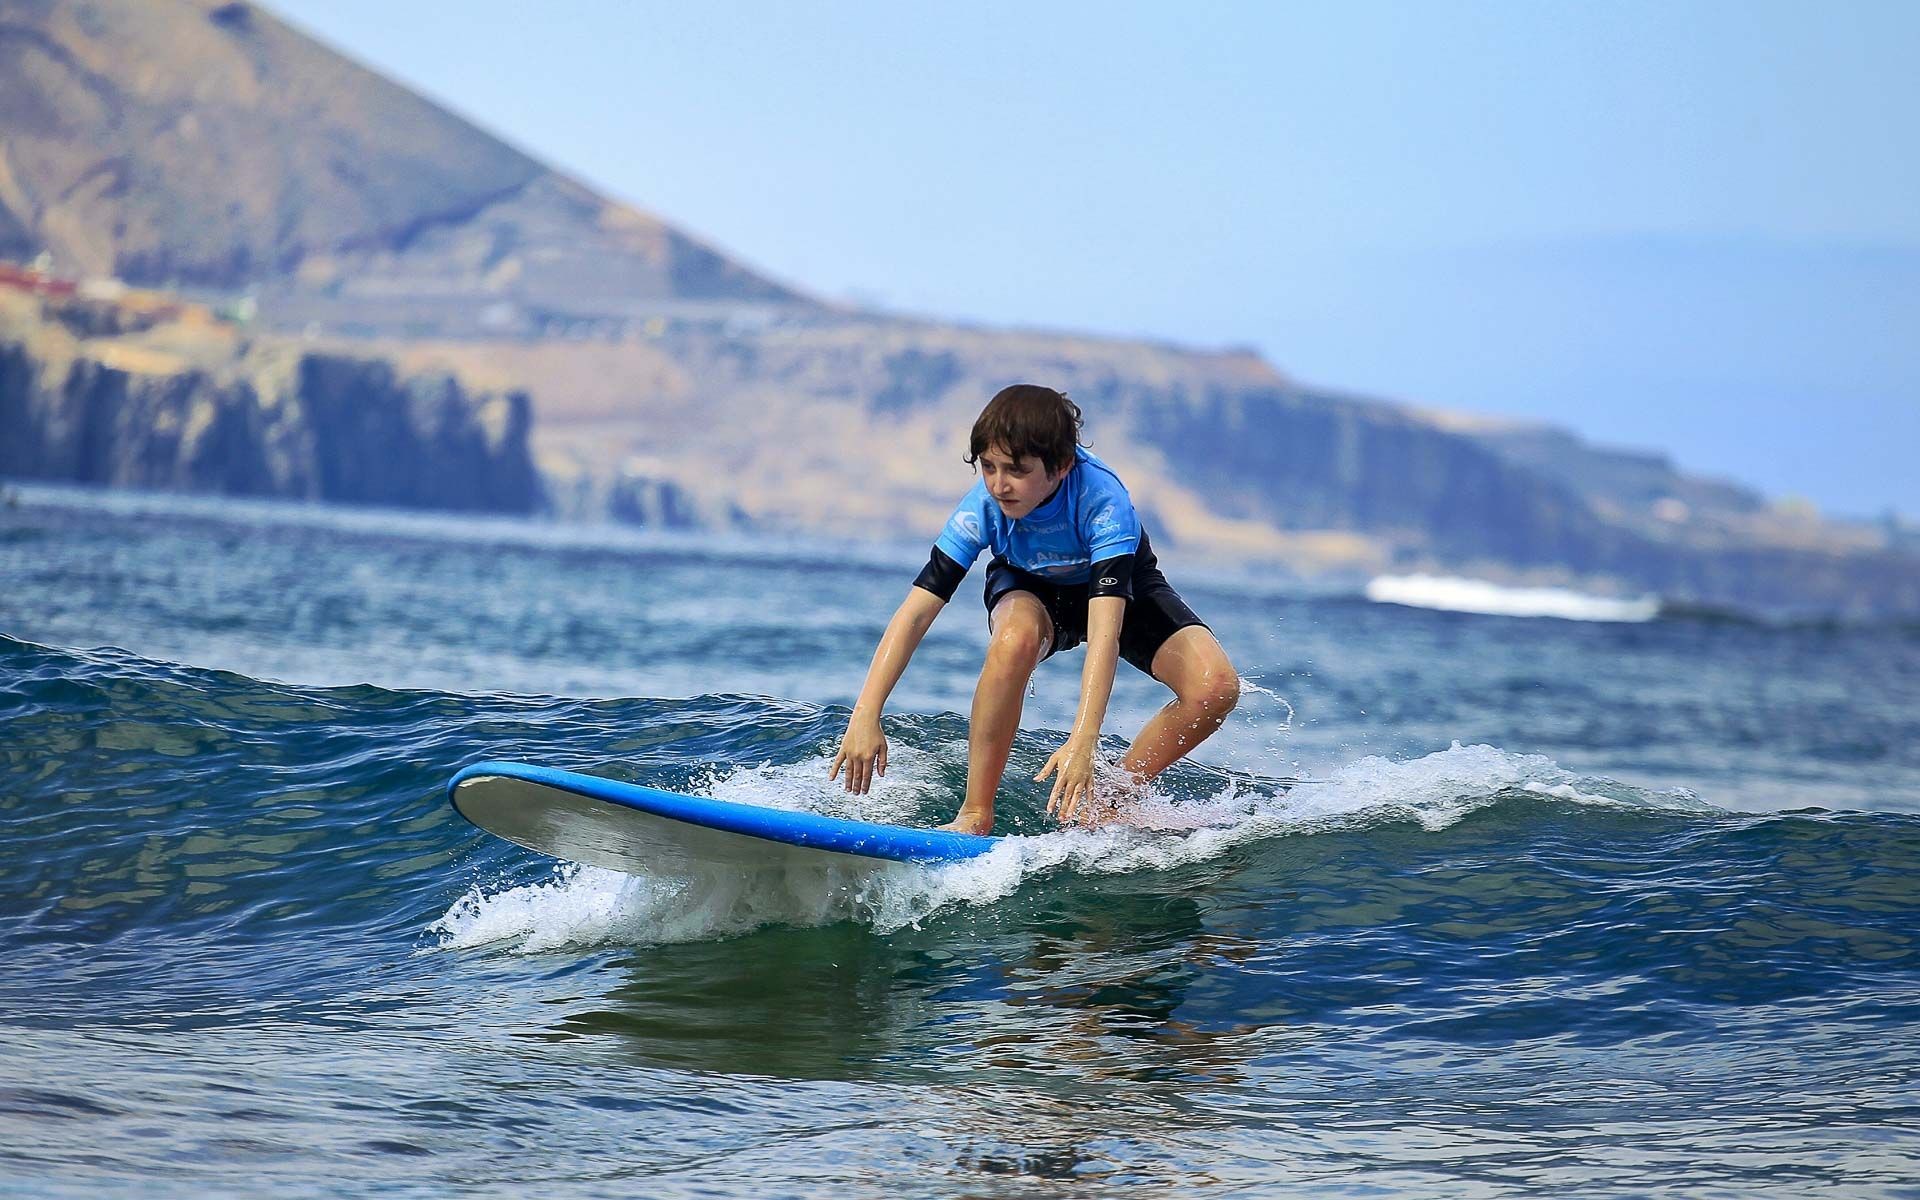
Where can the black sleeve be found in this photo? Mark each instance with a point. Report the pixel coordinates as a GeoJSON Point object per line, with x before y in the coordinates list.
{"type": "Point", "coordinates": [941, 574]}
{"type": "Point", "coordinates": [1112, 577]}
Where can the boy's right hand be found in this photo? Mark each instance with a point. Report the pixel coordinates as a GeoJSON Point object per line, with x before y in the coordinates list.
{"type": "Point", "coordinates": [863, 752]}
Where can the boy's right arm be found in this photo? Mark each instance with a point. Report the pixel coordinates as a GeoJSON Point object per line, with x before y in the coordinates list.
{"type": "Point", "coordinates": [863, 751]}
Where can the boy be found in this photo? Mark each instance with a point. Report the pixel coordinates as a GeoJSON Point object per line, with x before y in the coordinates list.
{"type": "Point", "coordinates": [1070, 563]}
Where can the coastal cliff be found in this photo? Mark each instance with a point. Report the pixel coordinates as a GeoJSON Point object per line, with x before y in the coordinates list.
{"type": "Point", "coordinates": [708, 428]}
{"type": "Point", "coordinates": [266, 419]}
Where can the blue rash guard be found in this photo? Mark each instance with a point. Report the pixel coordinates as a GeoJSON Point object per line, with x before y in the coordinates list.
{"type": "Point", "coordinates": [1088, 521]}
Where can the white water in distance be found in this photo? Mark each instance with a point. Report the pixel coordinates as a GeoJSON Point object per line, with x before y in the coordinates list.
{"type": "Point", "coordinates": [1453, 594]}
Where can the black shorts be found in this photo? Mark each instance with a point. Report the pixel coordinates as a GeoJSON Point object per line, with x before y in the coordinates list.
{"type": "Point", "coordinates": [1155, 613]}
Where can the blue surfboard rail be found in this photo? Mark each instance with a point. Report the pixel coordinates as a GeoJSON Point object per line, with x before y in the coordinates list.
{"type": "Point", "coordinates": [869, 839]}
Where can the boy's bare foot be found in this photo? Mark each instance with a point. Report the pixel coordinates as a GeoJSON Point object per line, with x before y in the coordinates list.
{"type": "Point", "coordinates": [970, 822]}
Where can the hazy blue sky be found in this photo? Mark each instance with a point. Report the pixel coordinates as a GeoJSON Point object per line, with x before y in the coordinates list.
{"type": "Point", "coordinates": [1687, 226]}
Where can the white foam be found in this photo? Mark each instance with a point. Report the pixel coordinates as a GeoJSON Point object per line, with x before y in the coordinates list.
{"type": "Point", "coordinates": [586, 906]}
{"type": "Point", "coordinates": [1453, 594]}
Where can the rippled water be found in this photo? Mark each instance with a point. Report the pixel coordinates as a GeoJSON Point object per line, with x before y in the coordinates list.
{"type": "Point", "coordinates": [1572, 909]}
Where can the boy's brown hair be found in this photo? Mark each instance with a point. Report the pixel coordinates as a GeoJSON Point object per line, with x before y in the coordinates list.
{"type": "Point", "coordinates": [1028, 421]}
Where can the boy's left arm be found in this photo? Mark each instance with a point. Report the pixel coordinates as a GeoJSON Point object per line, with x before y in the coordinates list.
{"type": "Point", "coordinates": [1074, 761]}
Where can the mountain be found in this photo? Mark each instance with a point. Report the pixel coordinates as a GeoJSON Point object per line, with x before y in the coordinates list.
{"type": "Point", "coordinates": [201, 144]}
{"type": "Point", "coordinates": [494, 317]}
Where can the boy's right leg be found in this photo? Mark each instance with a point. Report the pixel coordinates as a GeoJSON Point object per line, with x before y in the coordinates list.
{"type": "Point", "coordinates": [1022, 635]}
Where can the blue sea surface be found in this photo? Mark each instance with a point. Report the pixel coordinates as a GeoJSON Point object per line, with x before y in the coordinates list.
{"type": "Point", "coordinates": [1566, 908]}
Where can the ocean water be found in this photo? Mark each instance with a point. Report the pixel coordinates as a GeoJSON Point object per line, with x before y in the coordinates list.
{"type": "Point", "coordinates": [1567, 907]}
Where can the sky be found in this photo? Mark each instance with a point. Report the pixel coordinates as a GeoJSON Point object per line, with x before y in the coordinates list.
{"type": "Point", "coordinates": [1688, 226]}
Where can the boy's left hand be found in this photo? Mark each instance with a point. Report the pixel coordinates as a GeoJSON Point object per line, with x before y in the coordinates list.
{"type": "Point", "coordinates": [1074, 784]}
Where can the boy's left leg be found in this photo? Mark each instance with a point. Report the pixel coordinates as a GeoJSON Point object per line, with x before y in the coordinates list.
{"type": "Point", "coordinates": [1205, 689]}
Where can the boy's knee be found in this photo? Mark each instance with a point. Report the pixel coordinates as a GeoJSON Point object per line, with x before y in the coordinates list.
{"type": "Point", "coordinates": [1219, 692]}
{"type": "Point", "coordinates": [1015, 644]}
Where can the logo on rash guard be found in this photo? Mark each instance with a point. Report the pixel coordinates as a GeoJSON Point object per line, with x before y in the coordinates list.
{"type": "Point", "coordinates": [1104, 519]}
{"type": "Point", "coordinates": [968, 525]}
{"type": "Point", "coordinates": [1109, 581]}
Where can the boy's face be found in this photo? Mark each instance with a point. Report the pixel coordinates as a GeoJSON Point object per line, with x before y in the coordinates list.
{"type": "Point", "coordinates": [1018, 485]}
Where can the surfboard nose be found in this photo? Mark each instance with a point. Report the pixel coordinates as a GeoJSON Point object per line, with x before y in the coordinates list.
{"type": "Point", "coordinates": [640, 830]}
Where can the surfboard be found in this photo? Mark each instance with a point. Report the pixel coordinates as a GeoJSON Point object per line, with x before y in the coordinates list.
{"type": "Point", "coordinates": [642, 830]}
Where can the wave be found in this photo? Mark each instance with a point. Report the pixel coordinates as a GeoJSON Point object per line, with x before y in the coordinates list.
{"type": "Point", "coordinates": [1161, 832]}
{"type": "Point", "coordinates": [232, 819]}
